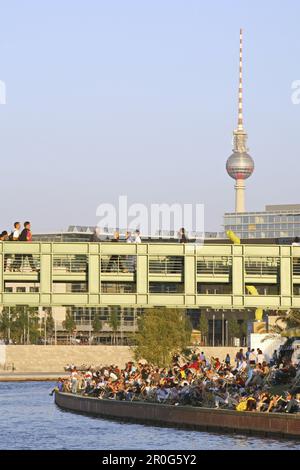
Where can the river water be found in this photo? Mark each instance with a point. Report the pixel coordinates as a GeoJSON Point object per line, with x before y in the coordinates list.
{"type": "Point", "coordinates": [29, 419]}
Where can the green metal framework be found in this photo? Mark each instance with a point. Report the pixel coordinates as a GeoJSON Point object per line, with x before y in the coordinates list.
{"type": "Point", "coordinates": [113, 265]}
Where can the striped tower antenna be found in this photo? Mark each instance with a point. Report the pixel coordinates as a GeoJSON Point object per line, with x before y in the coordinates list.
{"type": "Point", "coordinates": [240, 115]}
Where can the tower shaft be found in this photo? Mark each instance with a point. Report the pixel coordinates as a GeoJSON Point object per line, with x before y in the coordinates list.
{"type": "Point", "coordinates": [240, 196]}
{"type": "Point", "coordinates": [240, 113]}
{"type": "Point", "coordinates": [240, 135]}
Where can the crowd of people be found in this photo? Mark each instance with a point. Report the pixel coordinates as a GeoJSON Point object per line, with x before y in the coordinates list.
{"type": "Point", "coordinates": [133, 237]}
{"type": "Point", "coordinates": [248, 383]}
{"type": "Point", "coordinates": [17, 233]}
{"type": "Point", "coordinates": [22, 235]}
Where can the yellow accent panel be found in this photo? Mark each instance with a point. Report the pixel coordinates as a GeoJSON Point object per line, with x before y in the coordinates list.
{"type": "Point", "coordinates": [233, 237]}
{"type": "Point", "coordinates": [259, 314]}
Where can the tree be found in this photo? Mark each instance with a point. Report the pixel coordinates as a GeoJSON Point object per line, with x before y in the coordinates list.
{"type": "Point", "coordinates": [69, 323]}
{"type": "Point", "coordinates": [114, 322]}
{"type": "Point", "coordinates": [97, 323]}
{"type": "Point", "coordinates": [5, 323]}
{"type": "Point", "coordinates": [233, 328]}
{"type": "Point", "coordinates": [162, 333]}
{"type": "Point", "coordinates": [26, 325]}
{"type": "Point", "coordinates": [50, 325]}
{"type": "Point", "coordinates": [243, 329]}
{"type": "Point", "coordinates": [203, 326]}
{"type": "Point", "coordinates": [21, 324]}
{"type": "Point", "coordinates": [9, 325]}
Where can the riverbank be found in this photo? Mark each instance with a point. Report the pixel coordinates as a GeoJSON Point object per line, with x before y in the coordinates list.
{"type": "Point", "coordinates": [266, 424]}
{"type": "Point", "coordinates": [31, 376]}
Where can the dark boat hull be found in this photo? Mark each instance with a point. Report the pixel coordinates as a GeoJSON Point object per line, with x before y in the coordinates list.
{"type": "Point", "coordinates": [277, 424]}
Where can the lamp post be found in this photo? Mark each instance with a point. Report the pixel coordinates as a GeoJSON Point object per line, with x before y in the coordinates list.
{"type": "Point", "coordinates": [223, 332]}
{"type": "Point", "coordinates": [8, 331]}
{"type": "Point", "coordinates": [28, 334]}
{"type": "Point", "coordinates": [45, 328]}
{"type": "Point", "coordinates": [226, 327]}
{"type": "Point", "coordinates": [90, 329]}
{"type": "Point", "coordinates": [214, 330]}
{"type": "Point", "coordinates": [55, 334]}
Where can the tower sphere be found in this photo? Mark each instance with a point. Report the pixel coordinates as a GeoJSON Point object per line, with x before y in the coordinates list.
{"type": "Point", "coordinates": [240, 165]}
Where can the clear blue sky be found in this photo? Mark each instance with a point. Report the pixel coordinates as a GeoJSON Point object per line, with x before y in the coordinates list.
{"type": "Point", "coordinates": [139, 97]}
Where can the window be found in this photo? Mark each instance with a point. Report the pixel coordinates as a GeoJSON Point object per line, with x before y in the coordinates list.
{"type": "Point", "coordinates": [118, 287]}
{"type": "Point", "coordinates": [265, 289]}
{"type": "Point", "coordinates": [215, 289]}
{"type": "Point", "coordinates": [166, 287]}
{"type": "Point", "coordinates": [33, 289]}
{"type": "Point", "coordinates": [296, 289]}
{"type": "Point", "coordinates": [21, 289]}
{"type": "Point", "coordinates": [74, 287]}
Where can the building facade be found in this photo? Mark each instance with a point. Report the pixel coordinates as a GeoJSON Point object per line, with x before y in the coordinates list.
{"type": "Point", "coordinates": [277, 221]}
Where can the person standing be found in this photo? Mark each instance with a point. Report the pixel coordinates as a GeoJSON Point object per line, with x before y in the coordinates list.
{"type": "Point", "coordinates": [239, 358]}
{"type": "Point", "coordinates": [4, 237]}
{"type": "Point", "coordinates": [130, 260]}
{"type": "Point", "coordinates": [74, 380]}
{"type": "Point", "coordinates": [182, 236]}
{"type": "Point", "coordinates": [248, 354]}
{"type": "Point", "coordinates": [227, 360]}
{"type": "Point", "coordinates": [260, 356]}
{"type": "Point", "coordinates": [202, 356]}
{"type": "Point", "coordinates": [274, 359]}
{"type": "Point", "coordinates": [26, 236]}
{"type": "Point", "coordinates": [252, 358]}
{"type": "Point", "coordinates": [14, 237]}
{"type": "Point", "coordinates": [137, 237]}
{"type": "Point", "coordinates": [115, 261]}
{"type": "Point", "coordinates": [128, 237]}
{"type": "Point", "coordinates": [15, 234]}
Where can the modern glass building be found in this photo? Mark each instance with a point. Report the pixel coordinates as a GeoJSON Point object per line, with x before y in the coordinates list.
{"type": "Point", "coordinates": [277, 221]}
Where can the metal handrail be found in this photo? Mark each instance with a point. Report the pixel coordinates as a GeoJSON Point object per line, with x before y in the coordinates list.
{"type": "Point", "coordinates": [118, 264]}
{"type": "Point", "coordinates": [69, 263]}
{"type": "Point", "coordinates": [166, 265]}
{"type": "Point", "coordinates": [296, 266]}
{"type": "Point", "coordinates": [262, 267]}
{"type": "Point", "coordinates": [214, 266]}
{"type": "Point", "coordinates": [21, 263]}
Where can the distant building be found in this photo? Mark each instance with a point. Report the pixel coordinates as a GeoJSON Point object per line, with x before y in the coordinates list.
{"type": "Point", "coordinates": [277, 221]}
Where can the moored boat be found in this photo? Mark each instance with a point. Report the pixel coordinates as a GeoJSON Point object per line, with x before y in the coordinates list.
{"type": "Point", "coordinates": [268, 424]}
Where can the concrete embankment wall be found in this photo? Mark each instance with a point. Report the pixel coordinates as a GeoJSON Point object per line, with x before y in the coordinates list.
{"type": "Point", "coordinates": [33, 358]}
{"type": "Point", "coordinates": [185, 416]}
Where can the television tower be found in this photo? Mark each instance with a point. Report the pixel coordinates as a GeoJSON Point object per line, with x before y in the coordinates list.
{"type": "Point", "coordinates": [240, 165]}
